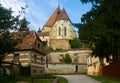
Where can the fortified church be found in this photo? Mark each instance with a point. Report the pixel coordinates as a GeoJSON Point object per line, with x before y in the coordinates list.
{"type": "Point", "coordinates": [58, 31]}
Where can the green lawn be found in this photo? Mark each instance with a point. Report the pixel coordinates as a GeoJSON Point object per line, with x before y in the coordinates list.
{"type": "Point", "coordinates": [43, 81]}
{"type": "Point", "coordinates": [63, 80]}
{"type": "Point", "coordinates": [104, 79]}
{"type": "Point", "coordinates": [28, 79]}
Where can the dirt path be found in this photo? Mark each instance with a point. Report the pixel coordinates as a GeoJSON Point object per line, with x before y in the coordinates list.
{"type": "Point", "coordinates": [79, 79]}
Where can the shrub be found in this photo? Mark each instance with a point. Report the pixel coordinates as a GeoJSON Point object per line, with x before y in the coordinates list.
{"type": "Point", "coordinates": [67, 58]}
{"type": "Point", "coordinates": [49, 48]}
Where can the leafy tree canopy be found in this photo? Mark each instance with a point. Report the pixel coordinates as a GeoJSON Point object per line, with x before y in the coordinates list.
{"type": "Point", "coordinates": [100, 27]}
{"type": "Point", "coordinates": [8, 23]}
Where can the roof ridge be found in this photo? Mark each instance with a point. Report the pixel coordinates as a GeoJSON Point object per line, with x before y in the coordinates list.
{"type": "Point", "coordinates": [53, 17]}
{"type": "Point", "coordinates": [63, 15]}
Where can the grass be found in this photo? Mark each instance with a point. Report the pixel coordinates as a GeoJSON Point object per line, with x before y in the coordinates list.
{"type": "Point", "coordinates": [104, 79]}
{"type": "Point", "coordinates": [43, 81]}
{"type": "Point", "coordinates": [7, 79]}
{"type": "Point", "coordinates": [63, 80]}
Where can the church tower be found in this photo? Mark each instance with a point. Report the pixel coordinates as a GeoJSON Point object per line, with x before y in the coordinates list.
{"type": "Point", "coordinates": [60, 29]}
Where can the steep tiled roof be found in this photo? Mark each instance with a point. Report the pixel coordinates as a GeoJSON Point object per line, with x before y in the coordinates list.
{"type": "Point", "coordinates": [63, 15]}
{"type": "Point", "coordinates": [57, 15]}
{"type": "Point", "coordinates": [27, 42]}
{"type": "Point", "coordinates": [52, 19]}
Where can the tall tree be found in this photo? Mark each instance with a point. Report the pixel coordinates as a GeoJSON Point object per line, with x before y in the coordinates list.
{"type": "Point", "coordinates": [8, 23]}
{"type": "Point", "coordinates": [100, 27]}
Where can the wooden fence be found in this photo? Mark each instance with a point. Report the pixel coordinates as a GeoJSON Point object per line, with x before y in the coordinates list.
{"type": "Point", "coordinates": [112, 70]}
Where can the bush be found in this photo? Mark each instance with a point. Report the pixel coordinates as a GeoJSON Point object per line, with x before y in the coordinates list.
{"type": "Point", "coordinates": [67, 59]}
{"type": "Point", "coordinates": [50, 49]}
{"type": "Point", "coordinates": [75, 43]}
{"type": "Point", "coordinates": [58, 49]}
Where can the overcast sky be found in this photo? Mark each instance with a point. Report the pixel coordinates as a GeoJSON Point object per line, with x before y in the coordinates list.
{"type": "Point", "coordinates": [39, 11]}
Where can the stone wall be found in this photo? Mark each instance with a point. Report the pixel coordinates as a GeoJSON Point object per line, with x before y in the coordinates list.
{"type": "Point", "coordinates": [59, 43]}
{"type": "Point", "coordinates": [67, 68]}
{"type": "Point", "coordinates": [78, 64]}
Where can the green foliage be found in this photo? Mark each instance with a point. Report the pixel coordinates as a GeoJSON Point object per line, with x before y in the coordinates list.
{"type": "Point", "coordinates": [63, 80]}
{"type": "Point", "coordinates": [23, 23]}
{"type": "Point", "coordinates": [58, 49]}
{"type": "Point", "coordinates": [75, 43]}
{"type": "Point", "coordinates": [7, 21]}
{"type": "Point", "coordinates": [49, 49]}
{"type": "Point", "coordinates": [67, 58]}
{"type": "Point", "coordinates": [6, 45]}
{"type": "Point", "coordinates": [100, 29]}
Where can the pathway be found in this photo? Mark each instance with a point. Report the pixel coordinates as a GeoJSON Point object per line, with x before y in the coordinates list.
{"type": "Point", "coordinates": [79, 79]}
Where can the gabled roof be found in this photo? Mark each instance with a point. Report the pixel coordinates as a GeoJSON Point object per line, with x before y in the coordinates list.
{"type": "Point", "coordinates": [27, 41]}
{"type": "Point", "coordinates": [57, 15]}
{"type": "Point", "coordinates": [63, 15]}
{"type": "Point", "coordinates": [52, 19]}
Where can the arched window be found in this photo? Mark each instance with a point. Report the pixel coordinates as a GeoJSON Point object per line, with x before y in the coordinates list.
{"type": "Point", "coordinates": [59, 31]}
{"type": "Point", "coordinates": [65, 31]}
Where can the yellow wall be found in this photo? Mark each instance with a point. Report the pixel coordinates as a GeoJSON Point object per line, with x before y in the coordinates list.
{"type": "Point", "coordinates": [94, 67]}
{"type": "Point", "coordinates": [46, 29]}
{"type": "Point", "coordinates": [54, 31]}
{"type": "Point", "coordinates": [62, 24]}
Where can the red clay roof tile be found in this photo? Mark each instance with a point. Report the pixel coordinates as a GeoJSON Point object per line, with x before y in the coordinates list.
{"type": "Point", "coordinates": [63, 15]}
{"type": "Point", "coordinates": [27, 42]}
{"type": "Point", "coordinates": [52, 19]}
{"type": "Point", "coordinates": [57, 15]}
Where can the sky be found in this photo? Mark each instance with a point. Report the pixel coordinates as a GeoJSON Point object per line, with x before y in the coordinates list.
{"type": "Point", "coordinates": [38, 12]}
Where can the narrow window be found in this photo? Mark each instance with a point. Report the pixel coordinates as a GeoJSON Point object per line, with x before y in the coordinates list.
{"type": "Point", "coordinates": [16, 57]}
{"type": "Point", "coordinates": [41, 60]}
{"type": "Point", "coordinates": [59, 31]}
{"type": "Point", "coordinates": [35, 58]}
{"type": "Point", "coordinates": [38, 45]}
{"type": "Point", "coordinates": [65, 31]}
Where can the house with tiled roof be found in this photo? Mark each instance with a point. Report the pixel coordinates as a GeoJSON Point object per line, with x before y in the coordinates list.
{"type": "Point", "coordinates": [60, 29]}
{"type": "Point", "coordinates": [29, 57]}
